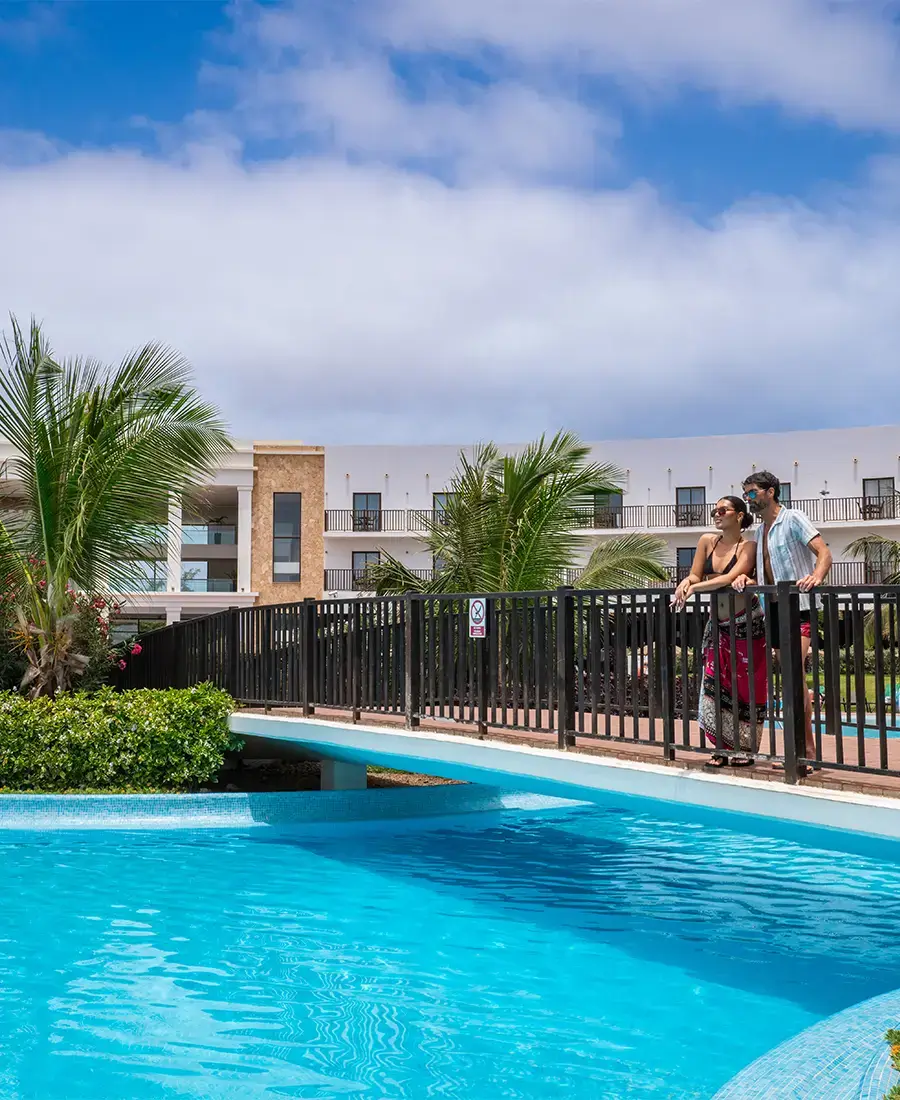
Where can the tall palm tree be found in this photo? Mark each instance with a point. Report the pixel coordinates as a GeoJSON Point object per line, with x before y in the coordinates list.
{"type": "Point", "coordinates": [509, 524]}
{"type": "Point", "coordinates": [100, 453]}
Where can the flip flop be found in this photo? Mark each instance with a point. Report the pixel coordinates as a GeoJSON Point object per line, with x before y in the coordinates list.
{"type": "Point", "coordinates": [717, 760]}
{"type": "Point", "coordinates": [742, 762]}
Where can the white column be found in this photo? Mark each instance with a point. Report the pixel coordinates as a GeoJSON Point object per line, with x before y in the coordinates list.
{"type": "Point", "coordinates": [337, 775]}
{"type": "Point", "coordinates": [173, 562]}
{"type": "Point", "coordinates": [244, 538]}
{"type": "Point", "coordinates": [173, 615]}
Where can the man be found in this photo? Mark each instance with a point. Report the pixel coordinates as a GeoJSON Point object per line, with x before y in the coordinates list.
{"type": "Point", "coordinates": [788, 548]}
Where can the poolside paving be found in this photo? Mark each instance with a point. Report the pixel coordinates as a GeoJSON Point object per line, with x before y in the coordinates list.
{"type": "Point", "coordinates": [638, 745]}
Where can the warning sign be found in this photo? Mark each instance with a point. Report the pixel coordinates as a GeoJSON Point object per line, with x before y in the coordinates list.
{"type": "Point", "coordinates": [477, 618]}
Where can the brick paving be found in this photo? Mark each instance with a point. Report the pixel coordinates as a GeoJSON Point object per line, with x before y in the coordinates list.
{"type": "Point", "coordinates": [645, 750]}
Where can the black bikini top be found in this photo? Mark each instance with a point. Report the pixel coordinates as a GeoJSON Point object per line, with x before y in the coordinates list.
{"type": "Point", "coordinates": [709, 571]}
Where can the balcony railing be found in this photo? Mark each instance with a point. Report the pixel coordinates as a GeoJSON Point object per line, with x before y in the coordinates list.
{"type": "Point", "coordinates": [207, 584]}
{"type": "Point", "coordinates": [823, 510]}
{"type": "Point", "coordinates": [630, 517]}
{"type": "Point", "coordinates": [366, 519]}
{"type": "Point", "coordinates": [209, 534]}
{"type": "Point", "coordinates": [357, 580]}
{"type": "Point", "coordinates": [146, 584]}
{"type": "Point", "coordinates": [423, 519]}
{"type": "Point", "coordinates": [678, 515]}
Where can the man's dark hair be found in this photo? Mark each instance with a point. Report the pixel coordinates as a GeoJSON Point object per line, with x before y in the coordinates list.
{"type": "Point", "coordinates": [763, 480]}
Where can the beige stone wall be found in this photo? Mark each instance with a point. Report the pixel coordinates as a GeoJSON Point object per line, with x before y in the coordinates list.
{"type": "Point", "coordinates": [288, 468]}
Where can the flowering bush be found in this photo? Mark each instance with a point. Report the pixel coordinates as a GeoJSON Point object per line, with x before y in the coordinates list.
{"type": "Point", "coordinates": [130, 740]}
{"type": "Point", "coordinates": [83, 625]}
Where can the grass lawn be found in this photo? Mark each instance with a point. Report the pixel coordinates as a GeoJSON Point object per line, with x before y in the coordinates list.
{"type": "Point", "coordinates": [871, 694]}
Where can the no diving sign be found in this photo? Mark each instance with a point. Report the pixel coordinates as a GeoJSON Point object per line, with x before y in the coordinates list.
{"type": "Point", "coordinates": [477, 617]}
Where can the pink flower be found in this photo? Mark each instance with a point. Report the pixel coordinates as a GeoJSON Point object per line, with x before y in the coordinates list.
{"type": "Point", "coordinates": [136, 649]}
{"type": "Point", "coordinates": [122, 664]}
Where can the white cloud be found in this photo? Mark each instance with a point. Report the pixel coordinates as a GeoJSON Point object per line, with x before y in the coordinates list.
{"type": "Point", "coordinates": [330, 302]}
{"type": "Point", "coordinates": [295, 82]}
{"type": "Point", "coordinates": [814, 57]}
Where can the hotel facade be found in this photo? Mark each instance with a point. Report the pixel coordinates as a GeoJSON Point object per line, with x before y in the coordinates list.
{"type": "Point", "coordinates": [281, 522]}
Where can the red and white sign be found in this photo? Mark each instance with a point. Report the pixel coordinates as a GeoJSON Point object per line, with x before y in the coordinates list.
{"type": "Point", "coordinates": [477, 618]}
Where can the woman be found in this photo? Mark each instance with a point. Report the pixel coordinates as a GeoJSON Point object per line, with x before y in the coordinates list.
{"type": "Point", "coordinates": [721, 557]}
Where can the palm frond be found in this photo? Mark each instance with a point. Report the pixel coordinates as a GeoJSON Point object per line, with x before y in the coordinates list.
{"type": "Point", "coordinates": [626, 561]}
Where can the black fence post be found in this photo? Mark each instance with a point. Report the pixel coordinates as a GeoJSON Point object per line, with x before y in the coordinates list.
{"type": "Point", "coordinates": [355, 639]}
{"type": "Point", "coordinates": [793, 687]}
{"type": "Point", "coordinates": [412, 661]}
{"type": "Point", "coordinates": [666, 651]}
{"type": "Point", "coordinates": [234, 658]}
{"type": "Point", "coordinates": [308, 633]}
{"type": "Point", "coordinates": [565, 667]}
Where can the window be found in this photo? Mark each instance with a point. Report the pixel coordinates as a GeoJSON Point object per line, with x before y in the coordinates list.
{"type": "Point", "coordinates": [362, 559]}
{"type": "Point", "coordinates": [286, 537]}
{"type": "Point", "coordinates": [879, 498]}
{"type": "Point", "coordinates": [367, 511]}
{"type": "Point", "coordinates": [684, 559]}
{"type": "Point", "coordinates": [690, 506]}
{"type": "Point", "coordinates": [784, 494]}
{"type": "Point", "coordinates": [439, 502]}
{"type": "Point", "coordinates": [607, 509]}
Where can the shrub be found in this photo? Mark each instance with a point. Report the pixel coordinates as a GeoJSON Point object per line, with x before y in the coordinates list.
{"type": "Point", "coordinates": [131, 740]}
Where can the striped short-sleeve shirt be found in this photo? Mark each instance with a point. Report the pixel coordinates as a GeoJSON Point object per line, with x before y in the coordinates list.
{"type": "Point", "coordinates": [790, 557]}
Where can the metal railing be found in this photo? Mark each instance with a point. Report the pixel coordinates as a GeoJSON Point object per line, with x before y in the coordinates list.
{"type": "Point", "coordinates": [358, 580]}
{"type": "Point", "coordinates": [678, 515]}
{"type": "Point", "coordinates": [628, 517]}
{"type": "Point", "coordinates": [615, 666]}
{"type": "Point", "coordinates": [366, 519]}
{"type": "Point", "coordinates": [632, 517]}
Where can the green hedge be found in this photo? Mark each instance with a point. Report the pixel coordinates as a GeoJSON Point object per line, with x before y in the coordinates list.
{"type": "Point", "coordinates": [114, 741]}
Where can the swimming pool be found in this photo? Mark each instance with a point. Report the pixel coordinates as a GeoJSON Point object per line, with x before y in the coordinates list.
{"type": "Point", "coordinates": [606, 951]}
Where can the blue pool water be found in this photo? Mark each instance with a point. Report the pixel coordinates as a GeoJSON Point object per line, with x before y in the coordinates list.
{"type": "Point", "coordinates": [593, 952]}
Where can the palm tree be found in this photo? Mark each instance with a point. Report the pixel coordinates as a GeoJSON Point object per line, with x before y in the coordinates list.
{"type": "Point", "coordinates": [100, 453]}
{"type": "Point", "coordinates": [877, 549]}
{"type": "Point", "coordinates": [509, 524]}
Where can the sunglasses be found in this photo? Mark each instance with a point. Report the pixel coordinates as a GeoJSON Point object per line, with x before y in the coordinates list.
{"type": "Point", "coordinates": [752, 495]}
{"type": "Point", "coordinates": [716, 512]}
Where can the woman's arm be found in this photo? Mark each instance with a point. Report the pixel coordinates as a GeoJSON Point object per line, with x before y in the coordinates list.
{"type": "Point", "coordinates": [746, 558]}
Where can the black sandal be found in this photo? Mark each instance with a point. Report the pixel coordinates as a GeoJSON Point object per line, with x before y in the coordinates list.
{"type": "Point", "coordinates": [742, 761]}
{"type": "Point", "coordinates": [717, 760]}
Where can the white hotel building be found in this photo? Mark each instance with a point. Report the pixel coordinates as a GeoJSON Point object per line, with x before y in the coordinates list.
{"type": "Point", "coordinates": [847, 480]}
{"type": "Point", "coordinates": [286, 521]}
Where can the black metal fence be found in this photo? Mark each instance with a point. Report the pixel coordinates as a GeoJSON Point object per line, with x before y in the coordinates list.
{"type": "Point", "coordinates": [815, 685]}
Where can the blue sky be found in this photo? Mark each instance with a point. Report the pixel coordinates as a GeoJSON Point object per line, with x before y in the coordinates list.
{"type": "Point", "coordinates": [526, 214]}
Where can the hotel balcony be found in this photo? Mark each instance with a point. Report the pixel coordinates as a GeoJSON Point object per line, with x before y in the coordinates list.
{"type": "Point", "coordinates": [823, 510]}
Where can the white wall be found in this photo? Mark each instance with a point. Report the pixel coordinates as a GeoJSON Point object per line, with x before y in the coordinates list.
{"type": "Point", "coordinates": [811, 461]}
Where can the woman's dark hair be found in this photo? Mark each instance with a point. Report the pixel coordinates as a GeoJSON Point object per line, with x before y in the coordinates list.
{"type": "Point", "coordinates": [741, 509]}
